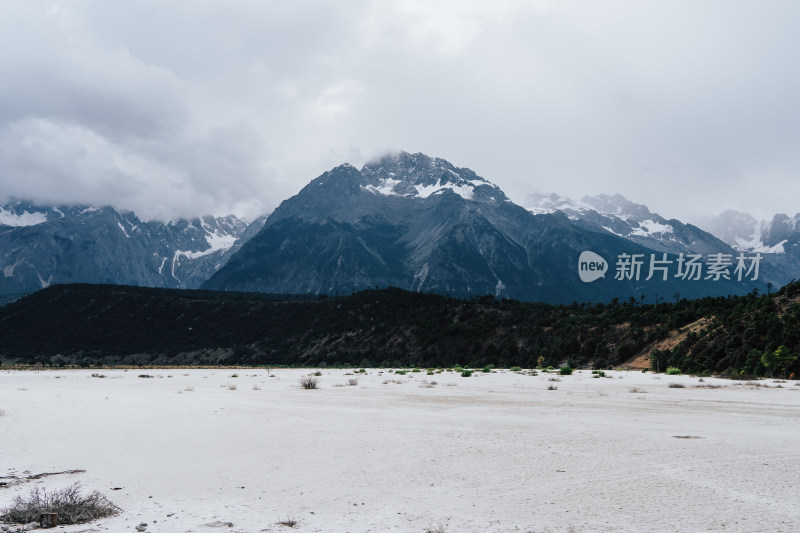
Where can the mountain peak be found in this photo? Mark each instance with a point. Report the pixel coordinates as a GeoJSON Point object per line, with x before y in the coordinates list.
{"type": "Point", "coordinates": [419, 175]}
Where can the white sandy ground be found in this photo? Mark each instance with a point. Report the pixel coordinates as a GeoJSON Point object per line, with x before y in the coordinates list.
{"type": "Point", "coordinates": [493, 453]}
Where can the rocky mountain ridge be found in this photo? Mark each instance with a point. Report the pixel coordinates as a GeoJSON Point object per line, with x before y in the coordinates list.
{"type": "Point", "coordinates": [41, 246]}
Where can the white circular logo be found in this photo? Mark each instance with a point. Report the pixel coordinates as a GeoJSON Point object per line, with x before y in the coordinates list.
{"type": "Point", "coordinates": [591, 266]}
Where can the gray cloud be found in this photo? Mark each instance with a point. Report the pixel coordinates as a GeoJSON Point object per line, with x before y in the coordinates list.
{"type": "Point", "coordinates": [193, 107]}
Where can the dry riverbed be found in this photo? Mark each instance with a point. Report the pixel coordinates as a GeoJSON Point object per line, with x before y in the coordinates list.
{"type": "Point", "coordinates": [203, 451]}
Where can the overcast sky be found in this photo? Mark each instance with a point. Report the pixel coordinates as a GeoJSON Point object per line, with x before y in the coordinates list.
{"type": "Point", "coordinates": [188, 107]}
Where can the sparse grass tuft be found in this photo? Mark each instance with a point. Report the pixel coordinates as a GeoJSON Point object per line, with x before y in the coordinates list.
{"type": "Point", "coordinates": [309, 382]}
{"type": "Point", "coordinates": [637, 390]}
{"type": "Point", "coordinates": [318, 373]}
{"type": "Point", "coordinates": [288, 522]}
{"type": "Point", "coordinates": [72, 508]}
{"type": "Point", "coordinates": [352, 382]}
{"type": "Point", "coordinates": [256, 387]}
{"type": "Point", "coordinates": [553, 379]}
{"type": "Point", "coordinates": [676, 386]}
{"type": "Point", "coordinates": [189, 389]}
{"type": "Point", "coordinates": [231, 386]}
{"type": "Point", "coordinates": [552, 387]}
{"type": "Point", "coordinates": [438, 528]}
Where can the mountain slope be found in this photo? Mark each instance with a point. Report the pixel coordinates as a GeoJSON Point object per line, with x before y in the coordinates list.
{"type": "Point", "coordinates": [91, 324]}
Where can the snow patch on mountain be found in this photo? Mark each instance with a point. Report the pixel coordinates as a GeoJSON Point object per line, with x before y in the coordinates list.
{"type": "Point", "coordinates": [465, 191]}
{"type": "Point", "coordinates": [26, 218]}
{"type": "Point", "coordinates": [123, 229]}
{"type": "Point", "coordinates": [216, 242]}
{"type": "Point", "coordinates": [649, 227]}
{"type": "Point", "coordinates": [755, 245]}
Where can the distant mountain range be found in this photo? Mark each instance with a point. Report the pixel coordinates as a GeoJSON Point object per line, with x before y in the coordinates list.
{"type": "Point", "coordinates": [633, 222]}
{"type": "Point", "coordinates": [41, 246]}
{"type": "Point", "coordinates": [408, 221]}
{"type": "Point", "coordinates": [422, 224]}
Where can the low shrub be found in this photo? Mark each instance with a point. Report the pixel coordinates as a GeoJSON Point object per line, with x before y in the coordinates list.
{"type": "Point", "coordinates": [566, 371]}
{"type": "Point", "coordinates": [516, 368]}
{"type": "Point", "coordinates": [487, 369]}
{"type": "Point", "coordinates": [466, 373]}
{"type": "Point", "coordinates": [71, 507]}
{"type": "Point", "coordinates": [673, 371]}
{"type": "Point", "coordinates": [677, 386]}
{"type": "Point", "coordinates": [309, 382]}
{"type": "Point", "coordinates": [352, 382]}
{"type": "Point", "coordinates": [552, 387]}
{"type": "Point", "coordinates": [317, 373]}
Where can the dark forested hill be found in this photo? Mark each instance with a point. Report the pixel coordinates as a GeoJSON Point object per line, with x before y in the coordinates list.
{"type": "Point", "coordinates": [104, 324]}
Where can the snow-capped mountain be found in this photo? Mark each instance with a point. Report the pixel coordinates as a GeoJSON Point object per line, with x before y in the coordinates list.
{"type": "Point", "coordinates": [420, 223]}
{"type": "Point", "coordinates": [40, 246]}
{"type": "Point", "coordinates": [631, 221]}
{"type": "Point", "coordinates": [777, 240]}
{"type": "Point", "coordinates": [743, 232]}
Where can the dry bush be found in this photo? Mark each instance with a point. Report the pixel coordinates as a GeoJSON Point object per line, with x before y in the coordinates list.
{"type": "Point", "coordinates": [553, 379]}
{"type": "Point", "coordinates": [231, 386]}
{"type": "Point", "coordinates": [352, 382]}
{"type": "Point", "coordinates": [674, 385]}
{"type": "Point", "coordinates": [71, 507]}
{"type": "Point", "coordinates": [438, 528]}
{"type": "Point", "coordinates": [256, 387]}
{"type": "Point", "coordinates": [552, 387]}
{"type": "Point", "coordinates": [637, 390]}
{"type": "Point", "coordinates": [309, 382]}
